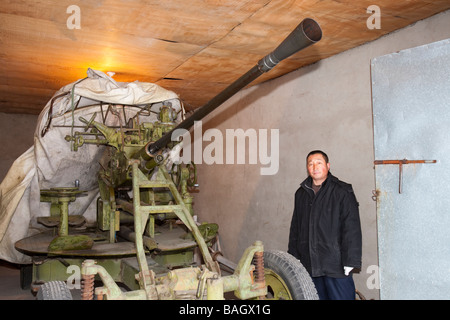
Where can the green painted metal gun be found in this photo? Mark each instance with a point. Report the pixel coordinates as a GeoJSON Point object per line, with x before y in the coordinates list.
{"type": "Point", "coordinates": [139, 186]}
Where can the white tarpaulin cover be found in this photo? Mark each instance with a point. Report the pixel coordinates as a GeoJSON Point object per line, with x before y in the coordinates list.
{"type": "Point", "coordinates": [52, 163]}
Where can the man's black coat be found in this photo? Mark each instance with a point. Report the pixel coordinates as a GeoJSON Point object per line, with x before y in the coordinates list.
{"type": "Point", "coordinates": [325, 232]}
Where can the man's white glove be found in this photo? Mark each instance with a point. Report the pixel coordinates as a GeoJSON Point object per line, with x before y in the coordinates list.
{"type": "Point", "coordinates": [347, 270]}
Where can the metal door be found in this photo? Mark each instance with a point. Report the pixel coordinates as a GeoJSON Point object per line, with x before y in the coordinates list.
{"type": "Point", "coordinates": [411, 118]}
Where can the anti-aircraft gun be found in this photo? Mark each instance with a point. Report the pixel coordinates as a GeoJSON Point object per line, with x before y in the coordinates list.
{"type": "Point", "coordinates": [144, 199]}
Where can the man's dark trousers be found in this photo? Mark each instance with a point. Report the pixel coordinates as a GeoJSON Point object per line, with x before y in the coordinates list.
{"type": "Point", "coordinates": [335, 288]}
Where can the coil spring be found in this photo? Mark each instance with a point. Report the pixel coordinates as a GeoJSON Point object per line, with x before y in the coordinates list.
{"type": "Point", "coordinates": [87, 287]}
{"type": "Point", "coordinates": [258, 261]}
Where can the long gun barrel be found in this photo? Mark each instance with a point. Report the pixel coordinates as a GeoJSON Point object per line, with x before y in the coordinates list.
{"type": "Point", "coordinates": [305, 34]}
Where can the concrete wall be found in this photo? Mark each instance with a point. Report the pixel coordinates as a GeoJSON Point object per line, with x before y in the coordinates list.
{"type": "Point", "coordinates": [323, 106]}
{"type": "Point", "coordinates": [17, 131]}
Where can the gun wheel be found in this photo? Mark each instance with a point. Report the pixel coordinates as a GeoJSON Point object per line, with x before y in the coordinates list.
{"type": "Point", "coordinates": [286, 278]}
{"type": "Point", "coordinates": [54, 290]}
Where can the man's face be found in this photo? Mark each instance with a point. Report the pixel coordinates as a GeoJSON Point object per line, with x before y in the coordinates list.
{"type": "Point", "coordinates": [317, 168]}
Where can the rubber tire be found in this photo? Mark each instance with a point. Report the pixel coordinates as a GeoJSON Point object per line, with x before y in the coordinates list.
{"type": "Point", "coordinates": [54, 290]}
{"type": "Point", "coordinates": [293, 273]}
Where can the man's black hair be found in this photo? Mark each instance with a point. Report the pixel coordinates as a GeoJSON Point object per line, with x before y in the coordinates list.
{"type": "Point", "coordinates": [316, 152]}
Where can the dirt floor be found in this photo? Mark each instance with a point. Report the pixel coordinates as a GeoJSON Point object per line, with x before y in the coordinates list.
{"type": "Point", "coordinates": [10, 288]}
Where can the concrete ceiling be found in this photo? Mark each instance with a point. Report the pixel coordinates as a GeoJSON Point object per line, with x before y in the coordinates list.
{"type": "Point", "coordinates": [195, 48]}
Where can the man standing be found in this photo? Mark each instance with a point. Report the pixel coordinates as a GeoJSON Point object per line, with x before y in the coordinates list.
{"type": "Point", "coordinates": [325, 232]}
